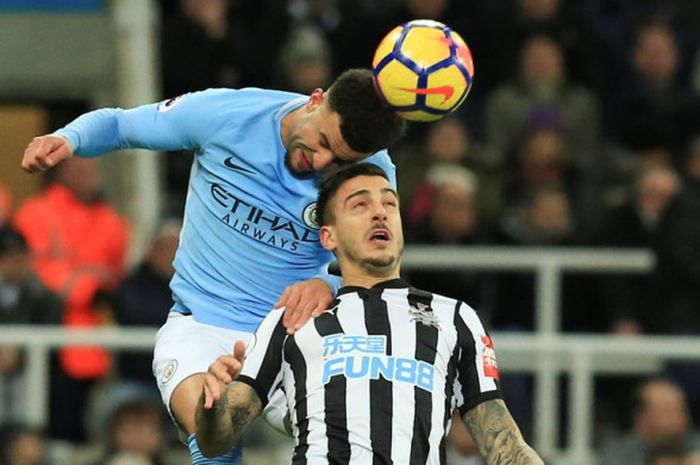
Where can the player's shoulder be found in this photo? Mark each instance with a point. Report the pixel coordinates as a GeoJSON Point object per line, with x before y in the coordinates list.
{"type": "Point", "coordinates": [380, 158]}
{"type": "Point", "coordinates": [252, 95]}
{"type": "Point", "coordinates": [228, 99]}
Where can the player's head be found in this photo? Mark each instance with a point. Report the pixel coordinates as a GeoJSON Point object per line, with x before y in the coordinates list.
{"type": "Point", "coordinates": [358, 211]}
{"type": "Point", "coordinates": [15, 259]}
{"type": "Point", "coordinates": [367, 122]}
{"type": "Point", "coordinates": [135, 427]}
{"type": "Point", "coordinates": [661, 415]}
{"type": "Point", "coordinates": [344, 124]}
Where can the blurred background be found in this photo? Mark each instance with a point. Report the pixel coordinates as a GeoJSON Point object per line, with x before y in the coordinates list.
{"type": "Point", "coordinates": [562, 201]}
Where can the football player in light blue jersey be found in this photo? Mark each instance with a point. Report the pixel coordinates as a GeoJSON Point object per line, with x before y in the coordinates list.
{"type": "Point", "coordinates": [249, 240]}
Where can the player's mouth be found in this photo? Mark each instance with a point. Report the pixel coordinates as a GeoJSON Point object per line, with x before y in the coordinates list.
{"type": "Point", "coordinates": [380, 236]}
{"type": "Point", "coordinates": [305, 163]}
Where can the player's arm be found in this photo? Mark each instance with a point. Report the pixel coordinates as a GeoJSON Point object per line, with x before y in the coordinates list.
{"type": "Point", "coordinates": [226, 408]}
{"type": "Point", "coordinates": [497, 436]}
{"type": "Point", "coordinates": [177, 124]}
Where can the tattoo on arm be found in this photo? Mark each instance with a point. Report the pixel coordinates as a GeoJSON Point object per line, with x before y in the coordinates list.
{"type": "Point", "coordinates": [221, 427]}
{"type": "Point", "coordinates": [497, 436]}
{"type": "Point", "coordinates": [244, 407]}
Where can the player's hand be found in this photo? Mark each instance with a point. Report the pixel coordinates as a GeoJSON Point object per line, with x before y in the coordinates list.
{"type": "Point", "coordinates": [304, 300]}
{"type": "Point", "coordinates": [221, 373]}
{"type": "Point", "coordinates": [45, 152]}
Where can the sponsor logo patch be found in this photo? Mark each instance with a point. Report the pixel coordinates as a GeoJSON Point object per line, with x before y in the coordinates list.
{"type": "Point", "coordinates": [229, 163]}
{"type": "Point", "coordinates": [169, 371]}
{"type": "Point", "coordinates": [488, 358]}
{"type": "Point", "coordinates": [422, 314]}
{"type": "Point", "coordinates": [309, 215]}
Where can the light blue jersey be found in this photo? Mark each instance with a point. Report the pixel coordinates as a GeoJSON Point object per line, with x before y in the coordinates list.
{"type": "Point", "coordinates": [249, 229]}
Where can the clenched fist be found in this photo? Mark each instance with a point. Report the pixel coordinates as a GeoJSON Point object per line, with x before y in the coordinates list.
{"type": "Point", "coordinates": [45, 152]}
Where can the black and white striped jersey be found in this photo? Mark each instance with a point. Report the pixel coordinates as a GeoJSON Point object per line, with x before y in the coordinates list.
{"type": "Point", "coordinates": [375, 378]}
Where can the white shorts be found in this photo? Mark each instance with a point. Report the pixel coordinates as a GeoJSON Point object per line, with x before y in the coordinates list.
{"type": "Point", "coordinates": [184, 347]}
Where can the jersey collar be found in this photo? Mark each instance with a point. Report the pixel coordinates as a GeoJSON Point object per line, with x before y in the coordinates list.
{"type": "Point", "coordinates": [395, 283]}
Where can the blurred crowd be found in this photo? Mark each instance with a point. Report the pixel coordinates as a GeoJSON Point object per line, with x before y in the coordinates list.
{"type": "Point", "coordinates": [582, 129]}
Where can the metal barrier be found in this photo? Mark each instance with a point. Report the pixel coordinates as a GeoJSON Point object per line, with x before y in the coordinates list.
{"type": "Point", "coordinates": [548, 264]}
{"type": "Point", "coordinates": [579, 357]}
{"type": "Point", "coordinates": [545, 353]}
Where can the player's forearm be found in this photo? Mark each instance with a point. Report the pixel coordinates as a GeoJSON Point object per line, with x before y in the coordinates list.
{"type": "Point", "coordinates": [214, 428]}
{"type": "Point", "coordinates": [94, 133]}
{"type": "Point", "coordinates": [222, 426]}
{"type": "Point", "coordinates": [497, 436]}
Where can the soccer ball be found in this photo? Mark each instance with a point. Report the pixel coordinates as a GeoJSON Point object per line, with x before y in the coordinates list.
{"type": "Point", "coordinates": [424, 69]}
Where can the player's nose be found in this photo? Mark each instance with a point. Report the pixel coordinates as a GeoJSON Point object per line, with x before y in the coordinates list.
{"type": "Point", "coordinates": [380, 211]}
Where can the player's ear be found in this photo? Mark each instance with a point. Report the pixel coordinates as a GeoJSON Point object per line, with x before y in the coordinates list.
{"type": "Point", "coordinates": [327, 237]}
{"type": "Point", "coordinates": [316, 98]}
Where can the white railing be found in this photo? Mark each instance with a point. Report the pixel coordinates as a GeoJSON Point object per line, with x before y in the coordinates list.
{"type": "Point", "coordinates": [546, 354]}
{"type": "Point", "coordinates": [581, 357]}
{"type": "Point", "coordinates": [548, 264]}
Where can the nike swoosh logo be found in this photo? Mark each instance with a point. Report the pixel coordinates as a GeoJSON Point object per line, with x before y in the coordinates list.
{"type": "Point", "coordinates": [445, 91]}
{"type": "Point", "coordinates": [230, 164]}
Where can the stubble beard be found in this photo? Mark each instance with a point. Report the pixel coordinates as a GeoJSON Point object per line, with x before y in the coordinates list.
{"type": "Point", "coordinates": [375, 267]}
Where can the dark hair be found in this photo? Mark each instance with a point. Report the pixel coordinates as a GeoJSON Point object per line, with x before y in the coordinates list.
{"type": "Point", "coordinates": [137, 408]}
{"type": "Point", "coordinates": [367, 122]}
{"type": "Point", "coordinates": [10, 433]}
{"type": "Point", "coordinates": [333, 179]}
{"type": "Point", "coordinates": [11, 240]}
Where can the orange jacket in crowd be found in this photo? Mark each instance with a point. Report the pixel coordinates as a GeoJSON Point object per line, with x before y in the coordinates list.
{"type": "Point", "coordinates": [77, 248]}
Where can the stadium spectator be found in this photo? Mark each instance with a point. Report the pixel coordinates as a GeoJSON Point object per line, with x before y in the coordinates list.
{"type": "Point", "coordinates": [632, 300]}
{"type": "Point", "coordinates": [23, 300]}
{"type": "Point", "coordinates": [338, 22]}
{"type": "Point", "coordinates": [202, 48]}
{"type": "Point", "coordinates": [144, 298]}
{"type": "Point", "coordinates": [662, 426]}
{"type": "Point", "coordinates": [22, 445]}
{"type": "Point", "coordinates": [654, 105]}
{"type": "Point", "coordinates": [541, 159]}
{"type": "Point", "coordinates": [453, 219]}
{"type": "Point", "coordinates": [338, 411]}
{"type": "Point", "coordinates": [447, 141]}
{"type": "Point", "coordinates": [305, 62]}
{"type": "Point", "coordinates": [134, 435]}
{"type": "Point", "coordinates": [542, 85]}
{"type": "Point", "coordinates": [678, 252]}
{"type": "Point", "coordinates": [78, 244]}
{"type": "Point", "coordinates": [544, 217]}
{"type": "Point", "coordinates": [560, 20]}
{"type": "Point", "coordinates": [678, 271]}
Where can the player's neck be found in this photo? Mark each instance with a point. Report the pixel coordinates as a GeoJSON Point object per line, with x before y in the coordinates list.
{"type": "Point", "coordinates": [360, 278]}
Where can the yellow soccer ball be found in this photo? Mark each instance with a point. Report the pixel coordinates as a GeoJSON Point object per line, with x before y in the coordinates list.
{"type": "Point", "coordinates": [424, 69]}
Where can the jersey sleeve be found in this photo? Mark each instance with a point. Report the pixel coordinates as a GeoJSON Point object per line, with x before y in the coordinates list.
{"type": "Point", "coordinates": [262, 367]}
{"type": "Point", "coordinates": [477, 375]}
{"type": "Point", "coordinates": [382, 160]}
{"type": "Point", "coordinates": [184, 123]}
{"type": "Point", "coordinates": [333, 281]}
